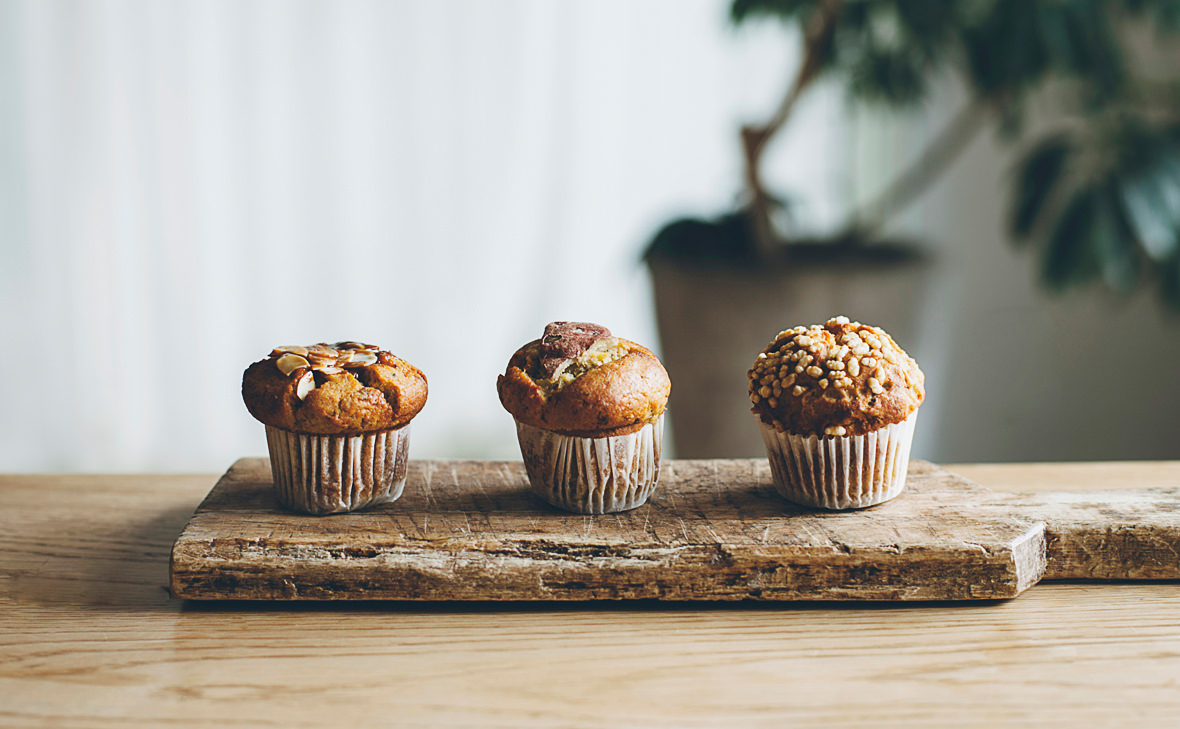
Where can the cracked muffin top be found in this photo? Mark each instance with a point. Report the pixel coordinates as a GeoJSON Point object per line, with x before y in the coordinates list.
{"type": "Point", "coordinates": [347, 388]}
{"type": "Point", "coordinates": [579, 380]}
{"type": "Point", "coordinates": [835, 379]}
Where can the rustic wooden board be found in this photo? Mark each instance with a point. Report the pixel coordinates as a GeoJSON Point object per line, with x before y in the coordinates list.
{"type": "Point", "coordinates": [1125, 534]}
{"type": "Point", "coordinates": [715, 530]}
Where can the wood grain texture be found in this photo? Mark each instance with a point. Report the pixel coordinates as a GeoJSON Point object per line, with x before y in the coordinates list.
{"type": "Point", "coordinates": [89, 637]}
{"type": "Point", "coordinates": [1106, 535]}
{"type": "Point", "coordinates": [715, 530]}
{"type": "Point", "coordinates": [1105, 520]}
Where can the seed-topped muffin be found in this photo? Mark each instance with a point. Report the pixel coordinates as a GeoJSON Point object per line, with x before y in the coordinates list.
{"type": "Point", "coordinates": [837, 404]}
{"type": "Point", "coordinates": [589, 409]}
{"type": "Point", "coordinates": [337, 418]}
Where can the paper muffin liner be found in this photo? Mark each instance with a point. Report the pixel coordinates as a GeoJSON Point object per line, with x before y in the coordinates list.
{"type": "Point", "coordinates": [592, 475]}
{"type": "Point", "coordinates": [330, 474]}
{"type": "Point", "coordinates": [840, 472]}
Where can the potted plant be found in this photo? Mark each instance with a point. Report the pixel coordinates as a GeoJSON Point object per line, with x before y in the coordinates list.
{"type": "Point", "coordinates": [1098, 194]}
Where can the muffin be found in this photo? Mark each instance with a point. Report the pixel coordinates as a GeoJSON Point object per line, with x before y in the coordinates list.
{"type": "Point", "coordinates": [589, 410]}
{"type": "Point", "coordinates": [337, 423]}
{"type": "Point", "coordinates": [837, 405]}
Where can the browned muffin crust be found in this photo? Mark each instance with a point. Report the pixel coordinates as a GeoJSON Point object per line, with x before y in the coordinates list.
{"type": "Point", "coordinates": [841, 378]}
{"type": "Point", "coordinates": [617, 387]}
{"type": "Point", "coordinates": [343, 389]}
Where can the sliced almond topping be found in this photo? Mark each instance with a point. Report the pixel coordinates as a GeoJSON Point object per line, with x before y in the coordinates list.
{"type": "Point", "coordinates": [328, 369]}
{"type": "Point", "coordinates": [360, 359]}
{"type": "Point", "coordinates": [322, 350]}
{"type": "Point", "coordinates": [288, 363]}
{"type": "Point", "coordinates": [305, 384]}
{"type": "Point", "coordinates": [289, 349]}
{"type": "Point", "coordinates": [357, 345]}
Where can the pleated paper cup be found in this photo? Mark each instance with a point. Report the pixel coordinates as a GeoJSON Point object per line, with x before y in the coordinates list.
{"type": "Point", "coordinates": [840, 472]}
{"type": "Point", "coordinates": [592, 475]}
{"type": "Point", "coordinates": [331, 474]}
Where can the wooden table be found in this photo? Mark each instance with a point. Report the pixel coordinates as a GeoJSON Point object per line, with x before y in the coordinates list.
{"type": "Point", "coordinates": [90, 638]}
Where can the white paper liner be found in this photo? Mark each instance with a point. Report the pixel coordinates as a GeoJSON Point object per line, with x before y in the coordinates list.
{"type": "Point", "coordinates": [329, 474]}
{"type": "Point", "coordinates": [593, 475]}
{"type": "Point", "coordinates": [847, 472]}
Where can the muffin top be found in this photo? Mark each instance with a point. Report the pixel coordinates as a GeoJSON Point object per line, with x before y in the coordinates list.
{"type": "Point", "coordinates": [841, 378]}
{"type": "Point", "coordinates": [333, 389]}
{"type": "Point", "coordinates": [579, 380]}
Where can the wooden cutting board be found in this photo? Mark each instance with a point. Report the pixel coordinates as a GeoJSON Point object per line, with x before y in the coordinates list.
{"type": "Point", "coordinates": [714, 530]}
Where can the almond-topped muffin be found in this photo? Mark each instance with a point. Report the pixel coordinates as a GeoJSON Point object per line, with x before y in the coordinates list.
{"type": "Point", "coordinates": [837, 404]}
{"type": "Point", "coordinates": [348, 387]}
{"type": "Point", "coordinates": [589, 409]}
{"type": "Point", "coordinates": [337, 422]}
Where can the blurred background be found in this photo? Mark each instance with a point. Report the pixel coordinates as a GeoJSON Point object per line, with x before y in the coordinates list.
{"type": "Point", "coordinates": [186, 184]}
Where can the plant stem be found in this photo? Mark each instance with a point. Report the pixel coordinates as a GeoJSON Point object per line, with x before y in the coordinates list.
{"type": "Point", "coordinates": [817, 36]}
{"type": "Point", "coordinates": [915, 179]}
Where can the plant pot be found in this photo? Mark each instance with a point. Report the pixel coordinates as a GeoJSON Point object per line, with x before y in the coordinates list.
{"type": "Point", "coordinates": [714, 319]}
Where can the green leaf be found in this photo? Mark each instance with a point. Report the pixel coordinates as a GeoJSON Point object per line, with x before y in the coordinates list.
{"type": "Point", "coordinates": [1003, 49]}
{"type": "Point", "coordinates": [1169, 274]}
{"type": "Point", "coordinates": [1091, 241]}
{"type": "Point", "coordinates": [893, 77]}
{"type": "Point", "coordinates": [1036, 180]}
{"type": "Point", "coordinates": [928, 25]}
{"type": "Point", "coordinates": [1150, 199]}
{"type": "Point", "coordinates": [1096, 55]}
{"type": "Point", "coordinates": [1068, 260]}
{"type": "Point", "coordinates": [1112, 244]}
{"type": "Point", "coordinates": [1054, 36]}
{"type": "Point", "coordinates": [1015, 45]}
{"type": "Point", "coordinates": [1166, 16]}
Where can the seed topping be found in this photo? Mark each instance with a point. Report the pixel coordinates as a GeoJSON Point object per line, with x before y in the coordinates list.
{"type": "Point", "coordinates": [839, 360]}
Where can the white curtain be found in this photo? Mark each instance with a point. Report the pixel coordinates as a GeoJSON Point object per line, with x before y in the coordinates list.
{"type": "Point", "coordinates": [184, 185]}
